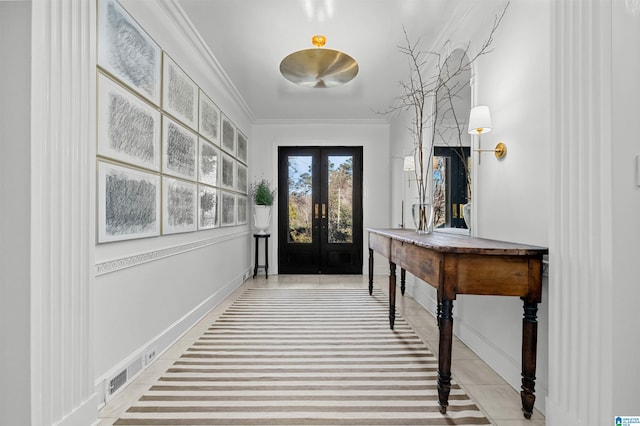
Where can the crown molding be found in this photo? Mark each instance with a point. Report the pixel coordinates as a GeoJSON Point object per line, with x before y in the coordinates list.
{"type": "Point", "coordinates": [179, 17]}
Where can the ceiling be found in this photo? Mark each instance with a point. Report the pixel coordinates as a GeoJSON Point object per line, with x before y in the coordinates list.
{"type": "Point", "coordinates": [249, 38]}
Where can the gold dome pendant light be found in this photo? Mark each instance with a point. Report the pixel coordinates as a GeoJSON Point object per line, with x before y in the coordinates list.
{"type": "Point", "coordinates": [318, 67]}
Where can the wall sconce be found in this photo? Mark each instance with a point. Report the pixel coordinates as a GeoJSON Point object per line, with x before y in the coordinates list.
{"type": "Point", "coordinates": [479, 123]}
{"type": "Point", "coordinates": [409, 163]}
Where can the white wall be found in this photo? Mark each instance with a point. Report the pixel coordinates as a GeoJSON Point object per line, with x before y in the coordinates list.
{"type": "Point", "coordinates": [372, 136]}
{"type": "Point", "coordinates": [510, 197]}
{"type": "Point", "coordinates": [625, 207]}
{"type": "Point", "coordinates": [15, 311]}
{"type": "Point", "coordinates": [149, 291]}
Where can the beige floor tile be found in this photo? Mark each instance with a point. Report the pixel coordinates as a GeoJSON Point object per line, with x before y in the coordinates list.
{"type": "Point", "coordinates": [154, 371]}
{"type": "Point", "coordinates": [500, 402]}
{"type": "Point", "coordinates": [458, 350]}
{"type": "Point", "coordinates": [475, 372]}
{"type": "Point", "coordinates": [108, 421]}
{"type": "Point", "coordinates": [523, 422]}
{"type": "Point", "coordinates": [123, 400]}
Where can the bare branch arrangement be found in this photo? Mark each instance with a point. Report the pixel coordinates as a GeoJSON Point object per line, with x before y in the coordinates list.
{"type": "Point", "coordinates": [431, 100]}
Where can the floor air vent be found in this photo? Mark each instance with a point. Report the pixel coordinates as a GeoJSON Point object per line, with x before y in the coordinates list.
{"type": "Point", "coordinates": [117, 381]}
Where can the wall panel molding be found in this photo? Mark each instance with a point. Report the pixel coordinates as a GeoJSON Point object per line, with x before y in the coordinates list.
{"type": "Point", "coordinates": [118, 264]}
{"type": "Point", "coordinates": [580, 290]}
{"type": "Point", "coordinates": [62, 213]}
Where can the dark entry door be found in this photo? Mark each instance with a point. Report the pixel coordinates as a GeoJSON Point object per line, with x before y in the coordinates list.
{"type": "Point", "coordinates": [450, 186]}
{"type": "Point", "coordinates": [320, 210]}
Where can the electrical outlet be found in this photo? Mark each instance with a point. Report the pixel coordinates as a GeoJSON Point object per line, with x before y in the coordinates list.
{"type": "Point", "coordinates": [150, 356]}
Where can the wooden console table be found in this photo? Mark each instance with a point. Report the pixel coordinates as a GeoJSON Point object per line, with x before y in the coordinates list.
{"type": "Point", "coordinates": [458, 264]}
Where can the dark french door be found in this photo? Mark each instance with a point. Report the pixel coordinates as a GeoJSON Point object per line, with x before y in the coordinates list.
{"type": "Point", "coordinates": [320, 210]}
{"type": "Point", "coordinates": [450, 186]}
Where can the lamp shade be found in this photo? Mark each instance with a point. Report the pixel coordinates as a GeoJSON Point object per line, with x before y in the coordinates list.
{"type": "Point", "coordinates": [409, 163]}
{"type": "Point", "coordinates": [480, 119]}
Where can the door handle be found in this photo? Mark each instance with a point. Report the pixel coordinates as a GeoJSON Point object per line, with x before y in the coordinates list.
{"type": "Point", "coordinates": [324, 211]}
{"type": "Point", "coordinates": [316, 211]}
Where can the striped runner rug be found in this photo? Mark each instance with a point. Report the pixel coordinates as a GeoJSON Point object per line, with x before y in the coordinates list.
{"type": "Point", "coordinates": [303, 357]}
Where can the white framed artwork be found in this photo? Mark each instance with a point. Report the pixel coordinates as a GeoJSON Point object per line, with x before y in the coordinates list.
{"type": "Point", "coordinates": [207, 207]}
{"type": "Point", "coordinates": [128, 127]}
{"type": "Point", "coordinates": [228, 172]}
{"type": "Point", "coordinates": [179, 93]}
{"type": "Point", "coordinates": [228, 136]}
{"type": "Point", "coordinates": [128, 203]}
{"type": "Point", "coordinates": [209, 160]}
{"type": "Point", "coordinates": [228, 209]}
{"type": "Point", "coordinates": [242, 209]}
{"type": "Point", "coordinates": [242, 149]}
{"type": "Point", "coordinates": [127, 52]}
{"type": "Point", "coordinates": [242, 184]}
{"type": "Point", "coordinates": [179, 150]}
{"type": "Point", "coordinates": [179, 206]}
{"type": "Point", "coordinates": [209, 121]}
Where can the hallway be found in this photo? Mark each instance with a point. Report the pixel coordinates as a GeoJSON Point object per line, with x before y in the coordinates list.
{"type": "Point", "coordinates": [498, 400]}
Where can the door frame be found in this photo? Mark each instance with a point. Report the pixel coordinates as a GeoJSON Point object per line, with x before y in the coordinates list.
{"type": "Point", "coordinates": [357, 246]}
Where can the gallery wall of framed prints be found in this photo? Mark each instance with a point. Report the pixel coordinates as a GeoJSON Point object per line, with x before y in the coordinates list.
{"type": "Point", "coordinates": [168, 159]}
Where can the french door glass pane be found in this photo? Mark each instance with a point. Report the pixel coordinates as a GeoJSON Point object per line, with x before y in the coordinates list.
{"type": "Point", "coordinates": [340, 211]}
{"type": "Point", "coordinates": [440, 191]}
{"type": "Point", "coordinates": [300, 202]}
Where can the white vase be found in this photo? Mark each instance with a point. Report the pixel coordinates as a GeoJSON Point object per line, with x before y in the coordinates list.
{"type": "Point", "coordinates": [261, 218]}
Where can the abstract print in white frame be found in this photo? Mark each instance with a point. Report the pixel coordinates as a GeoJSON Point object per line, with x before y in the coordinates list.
{"type": "Point", "coordinates": [228, 209]}
{"type": "Point", "coordinates": [207, 207]}
{"type": "Point", "coordinates": [128, 127]}
{"type": "Point", "coordinates": [242, 147]}
{"type": "Point", "coordinates": [228, 172]}
{"type": "Point", "coordinates": [228, 136]}
{"type": "Point", "coordinates": [179, 206]}
{"type": "Point", "coordinates": [179, 150]}
{"type": "Point", "coordinates": [128, 203]}
{"type": "Point", "coordinates": [241, 204]}
{"type": "Point", "coordinates": [179, 93]}
{"type": "Point", "coordinates": [126, 51]}
{"type": "Point", "coordinates": [242, 178]}
{"type": "Point", "coordinates": [209, 122]}
{"type": "Point", "coordinates": [208, 163]}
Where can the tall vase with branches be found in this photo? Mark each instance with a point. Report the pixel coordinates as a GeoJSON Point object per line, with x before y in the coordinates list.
{"type": "Point", "coordinates": [429, 99]}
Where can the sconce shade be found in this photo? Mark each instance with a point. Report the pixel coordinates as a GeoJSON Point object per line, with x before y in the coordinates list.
{"type": "Point", "coordinates": [479, 120]}
{"type": "Point", "coordinates": [409, 163]}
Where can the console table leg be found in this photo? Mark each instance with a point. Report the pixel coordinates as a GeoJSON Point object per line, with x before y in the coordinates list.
{"type": "Point", "coordinates": [444, 355]}
{"type": "Point", "coordinates": [529, 348]}
{"type": "Point", "coordinates": [392, 294]}
{"type": "Point", "coordinates": [403, 280]}
{"type": "Point", "coordinates": [370, 272]}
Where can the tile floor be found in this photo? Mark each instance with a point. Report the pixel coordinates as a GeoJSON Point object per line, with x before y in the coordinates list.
{"type": "Point", "coordinates": [497, 399]}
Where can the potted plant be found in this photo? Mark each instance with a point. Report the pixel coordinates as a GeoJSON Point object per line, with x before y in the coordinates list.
{"type": "Point", "coordinates": [263, 195]}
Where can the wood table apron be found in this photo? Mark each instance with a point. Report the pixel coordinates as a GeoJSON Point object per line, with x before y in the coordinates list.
{"type": "Point", "coordinates": [458, 264]}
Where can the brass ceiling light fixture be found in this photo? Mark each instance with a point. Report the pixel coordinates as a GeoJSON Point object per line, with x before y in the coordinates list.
{"type": "Point", "coordinates": [318, 67]}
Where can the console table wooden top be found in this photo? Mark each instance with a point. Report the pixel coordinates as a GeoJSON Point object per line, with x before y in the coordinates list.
{"type": "Point", "coordinates": [460, 264]}
{"type": "Point", "coordinates": [450, 242]}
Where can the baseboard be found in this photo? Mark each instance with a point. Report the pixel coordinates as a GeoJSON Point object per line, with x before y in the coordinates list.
{"type": "Point", "coordinates": [82, 415]}
{"type": "Point", "coordinates": [137, 362]}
